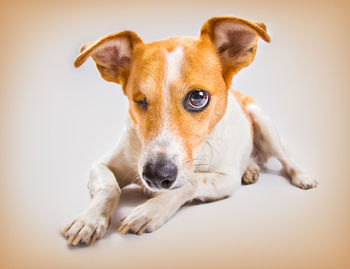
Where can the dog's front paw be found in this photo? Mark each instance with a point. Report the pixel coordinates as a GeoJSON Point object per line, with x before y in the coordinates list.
{"type": "Point", "coordinates": [147, 217]}
{"type": "Point", "coordinates": [304, 182]}
{"type": "Point", "coordinates": [87, 228]}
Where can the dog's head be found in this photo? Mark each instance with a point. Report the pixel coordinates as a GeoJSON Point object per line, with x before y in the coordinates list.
{"type": "Point", "coordinates": [177, 88]}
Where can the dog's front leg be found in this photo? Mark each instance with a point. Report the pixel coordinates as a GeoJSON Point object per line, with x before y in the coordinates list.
{"type": "Point", "coordinates": [93, 222]}
{"type": "Point", "coordinates": [150, 215]}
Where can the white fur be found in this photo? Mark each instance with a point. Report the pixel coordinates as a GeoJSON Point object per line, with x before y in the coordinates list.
{"type": "Point", "coordinates": [226, 151]}
{"type": "Point", "coordinates": [174, 60]}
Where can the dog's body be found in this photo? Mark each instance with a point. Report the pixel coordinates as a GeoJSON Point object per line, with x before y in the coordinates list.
{"type": "Point", "coordinates": [181, 142]}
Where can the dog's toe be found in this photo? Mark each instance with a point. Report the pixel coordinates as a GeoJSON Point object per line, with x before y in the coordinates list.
{"type": "Point", "coordinates": [86, 229]}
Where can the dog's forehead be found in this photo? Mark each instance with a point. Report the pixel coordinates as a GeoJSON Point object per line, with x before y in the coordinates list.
{"type": "Point", "coordinates": [179, 58]}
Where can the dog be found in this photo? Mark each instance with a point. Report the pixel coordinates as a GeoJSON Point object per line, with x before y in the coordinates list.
{"type": "Point", "coordinates": [188, 135]}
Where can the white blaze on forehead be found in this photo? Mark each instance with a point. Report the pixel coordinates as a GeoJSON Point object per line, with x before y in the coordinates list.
{"type": "Point", "coordinates": [173, 62]}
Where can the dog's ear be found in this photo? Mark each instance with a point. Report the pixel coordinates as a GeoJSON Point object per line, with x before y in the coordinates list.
{"type": "Point", "coordinates": [235, 40]}
{"type": "Point", "coordinates": [112, 54]}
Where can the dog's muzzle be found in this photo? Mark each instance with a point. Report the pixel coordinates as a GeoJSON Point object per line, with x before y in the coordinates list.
{"type": "Point", "coordinates": [160, 172]}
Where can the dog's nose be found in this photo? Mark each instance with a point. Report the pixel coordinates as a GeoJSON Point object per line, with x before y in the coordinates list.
{"type": "Point", "coordinates": [160, 174]}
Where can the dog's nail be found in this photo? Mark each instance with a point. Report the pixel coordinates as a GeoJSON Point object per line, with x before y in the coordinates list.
{"type": "Point", "coordinates": [125, 229]}
{"type": "Point", "coordinates": [67, 228]}
{"type": "Point", "coordinates": [142, 229]}
{"type": "Point", "coordinates": [122, 219]}
{"type": "Point", "coordinates": [77, 240]}
{"type": "Point", "coordinates": [71, 238]}
{"type": "Point", "coordinates": [93, 239]}
{"type": "Point", "coordinates": [120, 228]}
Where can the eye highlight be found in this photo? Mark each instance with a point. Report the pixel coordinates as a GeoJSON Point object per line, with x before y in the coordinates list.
{"type": "Point", "coordinates": [142, 103]}
{"type": "Point", "coordinates": [196, 100]}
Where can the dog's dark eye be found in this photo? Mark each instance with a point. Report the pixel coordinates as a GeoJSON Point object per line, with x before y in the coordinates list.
{"type": "Point", "coordinates": [196, 100]}
{"type": "Point", "coordinates": [143, 103]}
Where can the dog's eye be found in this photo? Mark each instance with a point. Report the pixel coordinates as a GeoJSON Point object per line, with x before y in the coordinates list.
{"type": "Point", "coordinates": [196, 100]}
{"type": "Point", "coordinates": [143, 103]}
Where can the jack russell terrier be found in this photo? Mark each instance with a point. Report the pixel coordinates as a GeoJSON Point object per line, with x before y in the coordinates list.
{"type": "Point", "coordinates": [188, 136]}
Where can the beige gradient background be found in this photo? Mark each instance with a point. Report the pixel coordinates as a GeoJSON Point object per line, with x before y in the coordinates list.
{"type": "Point", "coordinates": [56, 120]}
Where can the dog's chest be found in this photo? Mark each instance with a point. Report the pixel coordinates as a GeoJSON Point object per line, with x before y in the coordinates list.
{"type": "Point", "coordinates": [229, 145]}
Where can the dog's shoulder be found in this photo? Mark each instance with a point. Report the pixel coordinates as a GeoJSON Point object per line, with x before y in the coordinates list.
{"type": "Point", "coordinates": [243, 100]}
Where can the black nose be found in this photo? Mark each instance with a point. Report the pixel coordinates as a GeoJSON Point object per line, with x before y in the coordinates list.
{"type": "Point", "coordinates": [160, 174]}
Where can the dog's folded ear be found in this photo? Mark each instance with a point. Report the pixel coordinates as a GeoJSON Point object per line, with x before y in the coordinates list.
{"type": "Point", "coordinates": [235, 40]}
{"type": "Point", "coordinates": [112, 54]}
